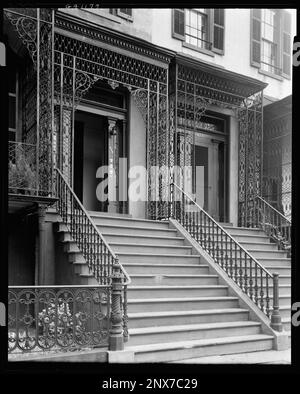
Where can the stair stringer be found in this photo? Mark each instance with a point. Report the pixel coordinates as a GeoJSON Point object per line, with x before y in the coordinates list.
{"type": "Point", "coordinates": [61, 230]}
{"type": "Point", "coordinates": [281, 339]}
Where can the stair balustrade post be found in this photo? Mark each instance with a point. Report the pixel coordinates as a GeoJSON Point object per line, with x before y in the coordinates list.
{"type": "Point", "coordinates": [276, 323]}
{"type": "Point", "coordinates": [116, 339]}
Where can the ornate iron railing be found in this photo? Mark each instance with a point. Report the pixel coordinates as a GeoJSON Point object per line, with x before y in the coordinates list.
{"type": "Point", "coordinates": [22, 175]}
{"type": "Point", "coordinates": [252, 278]}
{"type": "Point", "coordinates": [55, 318]}
{"type": "Point", "coordinates": [275, 224]}
{"type": "Point", "coordinates": [101, 260]}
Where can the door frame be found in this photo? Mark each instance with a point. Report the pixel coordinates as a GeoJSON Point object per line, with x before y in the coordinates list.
{"type": "Point", "coordinates": [100, 110]}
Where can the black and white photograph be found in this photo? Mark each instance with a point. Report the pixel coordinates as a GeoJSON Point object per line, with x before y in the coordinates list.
{"type": "Point", "coordinates": [149, 185]}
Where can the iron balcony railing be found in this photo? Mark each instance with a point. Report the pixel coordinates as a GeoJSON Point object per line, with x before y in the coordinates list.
{"type": "Point", "coordinates": [278, 227]}
{"type": "Point", "coordinates": [55, 318]}
{"type": "Point", "coordinates": [252, 278]}
{"type": "Point", "coordinates": [99, 256]}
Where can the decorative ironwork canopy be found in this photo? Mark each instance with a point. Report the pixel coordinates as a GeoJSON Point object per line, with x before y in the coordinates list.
{"type": "Point", "coordinates": [66, 67]}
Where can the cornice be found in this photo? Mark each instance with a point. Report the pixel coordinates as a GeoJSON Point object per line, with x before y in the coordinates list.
{"type": "Point", "coordinates": [99, 33]}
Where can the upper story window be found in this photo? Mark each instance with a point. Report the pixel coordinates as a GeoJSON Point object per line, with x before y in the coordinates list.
{"type": "Point", "coordinates": [200, 28]}
{"type": "Point", "coordinates": [125, 13]}
{"type": "Point", "coordinates": [271, 41]}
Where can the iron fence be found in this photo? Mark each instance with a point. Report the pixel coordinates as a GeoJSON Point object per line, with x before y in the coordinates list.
{"type": "Point", "coordinates": [55, 318]}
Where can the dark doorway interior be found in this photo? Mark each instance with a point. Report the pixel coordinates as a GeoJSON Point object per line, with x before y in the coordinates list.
{"type": "Point", "coordinates": [90, 153]}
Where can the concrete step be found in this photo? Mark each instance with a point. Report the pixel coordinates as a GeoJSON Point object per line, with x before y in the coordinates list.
{"type": "Point", "coordinates": [162, 269]}
{"type": "Point", "coordinates": [180, 304]}
{"type": "Point", "coordinates": [172, 279]}
{"type": "Point", "coordinates": [285, 311]}
{"type": "Point", "coordinates": [154, 319]}
{"type": "Point", "coordinates": [286, 322]}
{"type": "Point", "coordinates": [284, 289]}
{"type": "Point", "coordinates": [184, 291]}
{"type": "Point", "coordinates": [281, 270]}
{"type": "Point", "coordinates": [275, 261]}
{"type": "Point", "coordinates": [110, 214]}
{"type": "Point", "coordinates": [143, 239]}
{"type": "Point", "coordinates": [181, 350]}
{"type": "Point", "coordinates": [244, 231]}
{"type": "Point", "coordinates": [156, 258]}
{"type": "Point", "coordinates": [175, 333]}
{"type": "Point", "coordinates": [259, 245]}
{"type": "Point", "coordinates": [284, 300]}
{"type": "Point", "coordinates": [260, 253]}
{"type": "Point", "coordinates": [252, 238]}
{"type": "Point", "coordinates": [154, 248]}
{"type": "Point", "coordinates": [130, 222]}
{"type": "Point", "coordinates": [140, 230]}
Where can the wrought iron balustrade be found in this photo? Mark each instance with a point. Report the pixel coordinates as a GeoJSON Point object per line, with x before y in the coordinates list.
{"type": "Point", "coordinates": [278, 227]}
{"type": "Point", "coordinates": [252, 278]}
{"type": "Point", "coordinates": [55, 318]}
{"type": "Point", "coordinates": [100, 258]}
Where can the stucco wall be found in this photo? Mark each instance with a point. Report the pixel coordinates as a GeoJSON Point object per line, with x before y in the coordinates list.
{"type": "Point", "coordinates": [155, 26]}
{"type": "Point", "coordinates": [237, 46]}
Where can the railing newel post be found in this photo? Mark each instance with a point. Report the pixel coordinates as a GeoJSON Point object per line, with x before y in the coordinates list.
{"type": "Point", "coordinates": [276, 322]}
{"type": "Point", "coordinates": [116, 339]}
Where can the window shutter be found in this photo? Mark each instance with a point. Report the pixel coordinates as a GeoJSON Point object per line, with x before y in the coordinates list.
{"type": "Point", "coordinates": [178, 23]}
{"type": "Point", "coordinates": [218, 30]}
{"type": "Point", "coordinates": [255, 37]}
{"type": "Point", "coordinates": [286, 44]}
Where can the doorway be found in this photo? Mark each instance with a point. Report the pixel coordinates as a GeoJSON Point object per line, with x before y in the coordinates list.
{"type": "Point", "coordinates": [209, 172]}
{"type": "Point", "coordinates": [90, 153]}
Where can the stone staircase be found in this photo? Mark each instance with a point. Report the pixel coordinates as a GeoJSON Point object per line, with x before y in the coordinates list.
{"type": "Point", "coordinates": [259, 245]}
{"type": "Point", "coordinates": [176, 307]}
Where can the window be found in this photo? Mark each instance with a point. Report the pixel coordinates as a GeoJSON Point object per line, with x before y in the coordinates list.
{"type": "Point", "coordinates": [271, 41]}
{"type": "Point", "coordinates": [12, 104]}
{"type": "Point", "coordinates": [196, 29]}
{"type": "Point", "coordinates": [200, 28]}
{"type": "Point", "coordinates": [125, 13]}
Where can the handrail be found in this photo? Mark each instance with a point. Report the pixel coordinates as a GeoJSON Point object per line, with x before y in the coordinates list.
{"type": "Point", "coordinates": [91, 222]}
{"type": "Point", "coordinates": [273, 222]}
{"type": "Point", "coordinates": [274, 209]}
{"type": "Point", "coordinates": [252, 278]}
{"type": "Point", "coordinates": [223, 230]}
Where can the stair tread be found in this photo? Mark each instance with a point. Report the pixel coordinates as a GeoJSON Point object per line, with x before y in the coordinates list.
{"type": "Point", "coordinates": [174, 276]}
{"type": "Point", "coordinates": [157, 254]}
{"type": "Point", "coordinates": [198, 342]}
{"type": "Point", "coordinates": [181, 299]}
{"type": "Point", "coordinates": [137, 227]}
{"type": "Point", "coordinates": [244, 228]}
{"type": "Point", "coordinates": [140, 236]}
{"type": "Point", "coordinates": [153, 245]}
{"type": "Point", "coordinates": [269, 251]}
{"type": "Point", "coordinates": [129, 219]}
{"type": "Point", "coordinates": [192, 327]}
{"type": "Point", "coordinates": [164, 265]}
{"type": "Point", "coordinates": [149, 287]}
{"type": "Point", "coordinates": [187, 313]}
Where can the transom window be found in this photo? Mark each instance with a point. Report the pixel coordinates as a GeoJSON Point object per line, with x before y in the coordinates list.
{"type": "Point", "coordinates": [196, 28]}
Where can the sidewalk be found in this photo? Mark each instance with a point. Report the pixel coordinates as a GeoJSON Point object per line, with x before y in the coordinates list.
{"type": "Point", "coordinates": [265, 357]}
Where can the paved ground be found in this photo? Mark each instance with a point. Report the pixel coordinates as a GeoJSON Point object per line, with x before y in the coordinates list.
{"type": "Point", "coordinates": [266, 357]}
